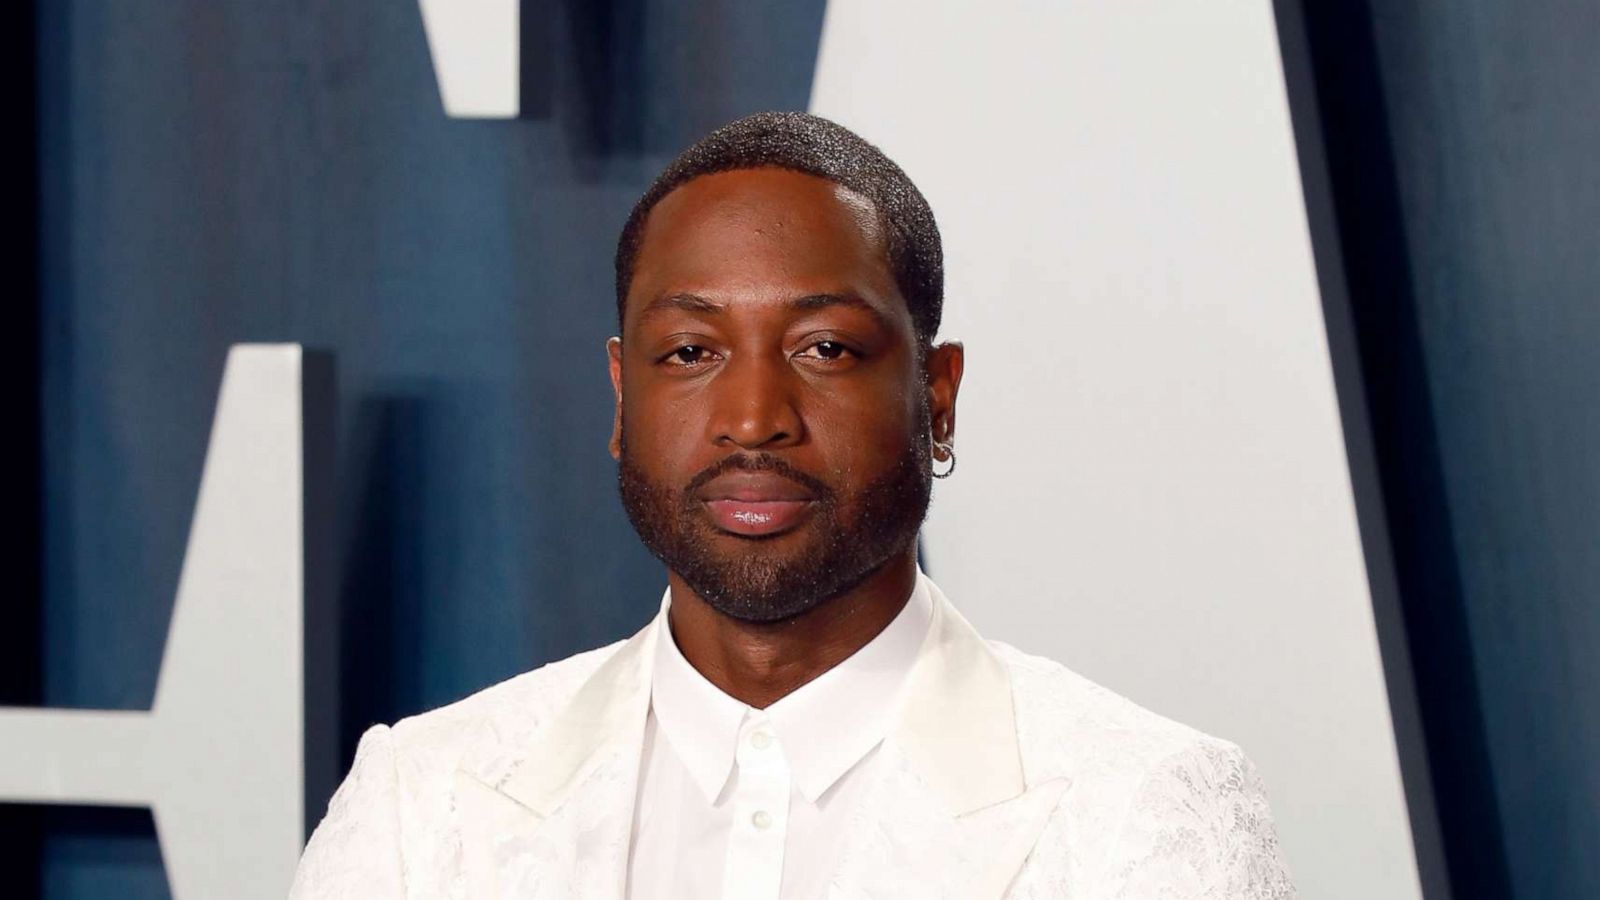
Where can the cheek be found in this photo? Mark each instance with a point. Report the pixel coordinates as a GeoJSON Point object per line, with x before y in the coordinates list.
{"type": "Point", "coordinates": [662, 434]}
{"type": "Point", "coordinates": [867, 434]}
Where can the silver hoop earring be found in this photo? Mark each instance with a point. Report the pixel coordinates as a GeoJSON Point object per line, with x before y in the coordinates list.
{"type": "Point", "coordinates": [950, 451]}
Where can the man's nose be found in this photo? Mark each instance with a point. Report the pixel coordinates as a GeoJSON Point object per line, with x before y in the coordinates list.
{"type": "Point", "coordinates": [754, 404]}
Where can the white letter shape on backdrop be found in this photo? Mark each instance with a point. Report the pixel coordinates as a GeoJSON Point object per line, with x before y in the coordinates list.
{"type": "Point", "coordinates": [222, 756]}
{"type": "Point", "coordinates": [474, 45]}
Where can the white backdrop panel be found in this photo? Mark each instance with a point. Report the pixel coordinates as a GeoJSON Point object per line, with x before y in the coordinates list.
{"type": "Point", "coordinates": [1152, 484]}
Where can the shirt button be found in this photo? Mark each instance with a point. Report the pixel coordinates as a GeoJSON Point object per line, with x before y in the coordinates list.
{"type": "Point", "coordinates": [761, 740]}
{"type": "Point", "coordinates": [761, 819]}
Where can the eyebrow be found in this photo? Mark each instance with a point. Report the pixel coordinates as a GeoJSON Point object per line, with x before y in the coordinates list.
{"type": "Point", "coordinates": [823, 301]}
{"type": "Point", "coordinates": [695, 303]}
{"type": "Point", "coordinates": [686, 302]}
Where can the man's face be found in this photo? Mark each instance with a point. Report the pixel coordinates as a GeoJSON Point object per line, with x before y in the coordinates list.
{"type": "Point", "coordinates": [773, 415]}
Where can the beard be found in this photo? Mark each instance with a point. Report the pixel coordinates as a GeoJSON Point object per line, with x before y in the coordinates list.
{"type": "Point", "coordinates": [846, 538]}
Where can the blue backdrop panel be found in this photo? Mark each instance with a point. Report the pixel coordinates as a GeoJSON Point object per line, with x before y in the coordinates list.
{"type": "Point", "coordinates": [213, 172]}
{"type": "Point", "coordinates": [1464, 158]}
{"type": "Point", "coordinates": [1498, 169]}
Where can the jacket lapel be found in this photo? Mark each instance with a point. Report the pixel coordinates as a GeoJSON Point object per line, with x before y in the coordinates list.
{"type": "Point", "coordinates": [555, 821]}
{"type": "Point", "coordinates": [952, 814]}
{"type": "Point", "coordinates": [905, 843]}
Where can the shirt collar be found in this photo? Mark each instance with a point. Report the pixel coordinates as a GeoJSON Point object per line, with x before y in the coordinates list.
{"type": "Point", "coordinates": [825, 727]}
{"type": "Point", "coordinates": [694, 715]}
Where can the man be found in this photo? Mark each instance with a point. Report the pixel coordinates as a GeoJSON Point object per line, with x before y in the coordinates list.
{"type": "Point", "coordinates": [808, 715]}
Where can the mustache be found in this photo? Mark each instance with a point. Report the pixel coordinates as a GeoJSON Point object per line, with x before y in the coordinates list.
{"type": "Point", "coordinates": [760, 462]}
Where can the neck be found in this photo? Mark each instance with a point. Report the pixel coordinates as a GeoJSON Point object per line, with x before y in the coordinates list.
{"type": "Point", "coordinates": [760, 663]}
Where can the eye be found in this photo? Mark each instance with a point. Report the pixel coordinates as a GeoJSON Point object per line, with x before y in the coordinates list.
{"type": "Point", "coordinates": [828, 350]}
{"type": "Point", "coordinates": [687, 355]}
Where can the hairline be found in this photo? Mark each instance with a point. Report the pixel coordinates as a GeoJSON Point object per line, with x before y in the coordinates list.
{"type": "Point", "coordinates": [639, 222]}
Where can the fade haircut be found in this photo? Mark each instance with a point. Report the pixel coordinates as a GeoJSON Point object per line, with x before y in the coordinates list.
{"type": "Point", "coordinates": [812, 145]}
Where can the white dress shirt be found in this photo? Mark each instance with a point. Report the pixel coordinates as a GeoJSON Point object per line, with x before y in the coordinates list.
{"type": "Point", "coordinates": [740, 803]}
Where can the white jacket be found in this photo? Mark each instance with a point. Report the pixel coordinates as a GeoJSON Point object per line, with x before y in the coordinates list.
{"type": "Point", "coordinates": [1007, 775]}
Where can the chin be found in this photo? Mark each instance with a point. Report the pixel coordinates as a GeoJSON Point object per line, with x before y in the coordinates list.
{"type": "Point", "coordinates": [768, 552]}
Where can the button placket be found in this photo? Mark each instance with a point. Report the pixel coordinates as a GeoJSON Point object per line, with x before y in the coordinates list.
{"type": "Point", "coordinates": [753, 869]}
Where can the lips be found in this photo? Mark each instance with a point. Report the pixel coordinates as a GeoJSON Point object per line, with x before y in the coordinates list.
{"type": "Point", "coordinates": [755, 504]}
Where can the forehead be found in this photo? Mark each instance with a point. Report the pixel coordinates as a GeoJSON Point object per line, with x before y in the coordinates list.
{"type": "Point", "coordinates": [764, 234]}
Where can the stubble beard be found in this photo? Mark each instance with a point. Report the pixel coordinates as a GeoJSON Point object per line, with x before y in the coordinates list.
{"type": "Point", "coordinates": [850, 538]}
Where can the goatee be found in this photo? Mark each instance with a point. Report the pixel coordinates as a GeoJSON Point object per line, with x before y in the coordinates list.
{"type": "Point", "coordinates": [847, 538]}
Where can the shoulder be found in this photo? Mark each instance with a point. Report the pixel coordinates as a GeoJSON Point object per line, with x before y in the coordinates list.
{"type": "Point", "coordinates": [1068, 725]}
{"type": "Point", "coordinates": [484, 726]}
{"type": "Point", "coordinates": [390, 826]}
{"type": "Point", "coordinates": [1054, 703]}
{"type": "Point", "coordinates": [1151, 802]}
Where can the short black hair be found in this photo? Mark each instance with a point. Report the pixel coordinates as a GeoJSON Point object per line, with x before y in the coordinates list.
{"type": "Point", "coordinates": [815, 146]}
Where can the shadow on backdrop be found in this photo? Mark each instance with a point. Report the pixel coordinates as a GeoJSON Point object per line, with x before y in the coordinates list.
{"type": "Point", "coordinates": [1419, 579]}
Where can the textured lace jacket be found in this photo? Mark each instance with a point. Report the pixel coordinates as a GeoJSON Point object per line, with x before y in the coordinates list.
{"type": "Point", "coordinates": [1007, 776]}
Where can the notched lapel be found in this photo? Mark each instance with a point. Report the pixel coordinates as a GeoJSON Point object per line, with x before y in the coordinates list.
{"type": "Point", "coordinates": [904, 842]}
{"type": "Point", "coordinates": [579, 851]}
{"type": "Point", "coordinates": [493, 826]}
{"type": "Point", "coordinates": [556, 822]}
{"type": "Point", "coordinates": [952, 814]}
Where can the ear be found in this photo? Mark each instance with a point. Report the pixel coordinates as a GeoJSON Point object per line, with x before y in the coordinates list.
{"type": "Point", "coordinates": [614, 363]}
{"type": "Point", "coordinates": [945, 364]}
